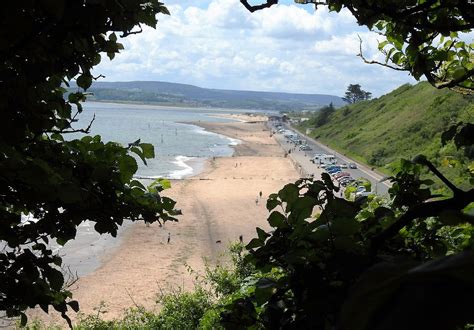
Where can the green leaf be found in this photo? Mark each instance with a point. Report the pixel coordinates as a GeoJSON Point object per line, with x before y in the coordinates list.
{"type": "Point", "coordinates": [277, 220]}
{"type": "Point", "coordinates": [74, 305]}
{"type": "Point", "coordinates": [302, 208]}
{"type": "Point", "coordinates": [23, 319]}
{"type": "Point", "coordinates": [327, 181]}
{"type": "Point", "coordinates": [262, 235]}
{"type": "Point", "coordinates": [289, 193]}
{"type": "Point", "coordinates": [148, 150]}
{"type": "Point", "coordinates": [254, 243]}
{"type": "Point", "coordinates": [320, 234]}
{"type": "Point", "coordinates": [113, 37]}
{"type": "Point", "coordinates": [272, 203]}
{"type": "Point", "coordinates": [127, 166]}
{"type": "Point", "coordinates": [382, 44]}
{"type": "Point", "coordinates": [139, 153]}
{"type": "Point", "coordinates": [84, 81]}
{"type": "Point", "coordinates": [381, 212]}
{"type": "Point", "coordinates": [264, 289]}
{"type": "Point", "coordinates": [345, 226]}
{"type": "Point", "coordinates": [55, 279]}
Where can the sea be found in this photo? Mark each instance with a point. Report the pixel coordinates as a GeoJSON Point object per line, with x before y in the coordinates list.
{"type": "Point", "coordinates": [181, 150]}
{"type": "Point", "coordinates": [180, 147]}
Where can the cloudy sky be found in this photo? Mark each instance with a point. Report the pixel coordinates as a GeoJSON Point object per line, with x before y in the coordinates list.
{"type": "Point", "coordinates": [289, 48]}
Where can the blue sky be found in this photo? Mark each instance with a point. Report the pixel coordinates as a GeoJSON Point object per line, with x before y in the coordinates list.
{"type": "Point", "coordinates": [288, 48]}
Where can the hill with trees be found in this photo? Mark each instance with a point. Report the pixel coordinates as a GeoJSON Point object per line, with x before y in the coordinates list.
{"type": "Point", "coordinates": [166, 93]}
{"type": "Point", "coordinates": [403, 123]}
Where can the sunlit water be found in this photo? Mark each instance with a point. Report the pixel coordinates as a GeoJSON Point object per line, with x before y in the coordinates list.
{"type": "Point", "coordinates": [180, 148]}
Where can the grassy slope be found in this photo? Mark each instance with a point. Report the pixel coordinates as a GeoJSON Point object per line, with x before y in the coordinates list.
{"type": "Point", "coordinates": [406, 122]}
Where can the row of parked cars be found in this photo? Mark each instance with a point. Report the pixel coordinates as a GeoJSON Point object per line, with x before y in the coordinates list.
{"type": "Point", "coordinates": [325, 160]}
{"type": "Point", "coordinates": [338, 175]}
{"type": "Point", "coordinates": [296, 140]}
{"type": "Point", "coordinates": [344, 179]}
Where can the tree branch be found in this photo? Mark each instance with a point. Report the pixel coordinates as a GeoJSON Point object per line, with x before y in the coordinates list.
{"type": "Point", "coordinates": [425, 210]}
{"type": "Point", "coordinates": [126, 34]}
{"type": "Point", "coordinates": [251, 8]}
{"type": "Point", "coordinates": [361, 55]}
{"type": "Point", "coordinates": [81, 130]}
{"type": "Point", "coordinates": [448, 183]}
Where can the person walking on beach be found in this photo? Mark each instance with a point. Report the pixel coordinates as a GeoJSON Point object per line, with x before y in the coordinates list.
{"type": "Point", "coordinates": [260, 194]}
{"type": "Point", "coordinates": [169, 238]}
{"type": "Point", "coordinates": [256, 201]}
{"type": "Point", "coordinates": [241, 239]}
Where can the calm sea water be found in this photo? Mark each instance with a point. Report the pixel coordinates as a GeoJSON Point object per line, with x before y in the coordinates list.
{"type": "Point", "coordinates": [180, 148]}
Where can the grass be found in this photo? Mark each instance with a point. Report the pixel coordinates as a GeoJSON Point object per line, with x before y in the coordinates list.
{"type": "Point", "coordinates": [401, 124]}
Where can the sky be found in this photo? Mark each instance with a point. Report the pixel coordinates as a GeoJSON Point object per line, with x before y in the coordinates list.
{"type": "Point", "coordinates": [285, 48]}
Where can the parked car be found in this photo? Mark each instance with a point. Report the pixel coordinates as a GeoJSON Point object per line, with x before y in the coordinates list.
{"type": "Point", "coordinates": [345, 181]}
{"type": "Point", "coordinates": [343, 165]}
{"type": "Point", "coordinates": [352, 165]}
{"type": "Point", "coordinates": [341, 174]}
{"type": "Point", "coordinates": [343, 178]}
{"type": "Point", "coordinates": [363, 193]}
{"type": "Point", "coordinates": [331, 166]}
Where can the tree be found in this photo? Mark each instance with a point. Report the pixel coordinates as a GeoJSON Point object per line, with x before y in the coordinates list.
{"type": "Point", "coordinates": [61, 183]}
{"type": "Point", "coordinates": [355, 94]}
{"type": "Point", "coordinates": [323, 115]}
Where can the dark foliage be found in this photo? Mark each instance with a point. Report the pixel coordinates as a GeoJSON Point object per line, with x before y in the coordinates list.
{"type": "Point", "coordinates": [355, 94]}
{"type": "Point", "coordinates": [61, 183]}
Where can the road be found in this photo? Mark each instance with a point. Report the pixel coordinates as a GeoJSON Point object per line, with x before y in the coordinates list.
{"type": "Point", "coordinates": [303, 159]}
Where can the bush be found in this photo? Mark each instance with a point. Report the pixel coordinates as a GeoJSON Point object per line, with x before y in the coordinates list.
{"type": "Point", "coordinates": [183, 310]}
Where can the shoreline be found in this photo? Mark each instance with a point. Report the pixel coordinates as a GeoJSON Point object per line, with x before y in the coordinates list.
{"type": "Point", "coordinates": [175, 106]}
{"type": "Point", "coordinates": [219, 204]}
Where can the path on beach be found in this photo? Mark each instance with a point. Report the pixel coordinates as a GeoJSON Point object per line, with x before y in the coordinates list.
{"type": "Point", "coordinates": [218, 206]}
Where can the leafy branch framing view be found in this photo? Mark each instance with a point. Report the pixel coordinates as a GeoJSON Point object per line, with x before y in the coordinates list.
{"type": "Point", "coordinates": [312, 271]}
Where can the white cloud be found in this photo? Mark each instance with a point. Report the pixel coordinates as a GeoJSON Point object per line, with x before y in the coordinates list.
{"type": "Point", "coordinates": [218, 44]}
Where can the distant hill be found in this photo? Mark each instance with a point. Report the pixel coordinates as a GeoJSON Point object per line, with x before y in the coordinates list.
{"type": "Point", "coordinates": [401, 124]}
{"type": "Point", "coordinates": [188, 95]}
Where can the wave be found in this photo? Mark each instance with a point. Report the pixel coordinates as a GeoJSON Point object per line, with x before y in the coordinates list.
{"type": "Point", "coordinates": [234, 142]}
{"type": "Point", "coordinates": [184, 168]}
{"type": "Point", "coordinates": [203, 131]}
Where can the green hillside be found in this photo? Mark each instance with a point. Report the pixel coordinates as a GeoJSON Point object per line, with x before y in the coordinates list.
{"type": "Point", "coordinates": [406, 122]}
{"type": "Point", "coordinates": [173, 94]}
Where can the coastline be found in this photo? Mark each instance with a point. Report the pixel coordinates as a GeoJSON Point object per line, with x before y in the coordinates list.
{"type": "Point", "coordinates": [219, 204]}
{"type": "Point", "coordinates": [175, 106]}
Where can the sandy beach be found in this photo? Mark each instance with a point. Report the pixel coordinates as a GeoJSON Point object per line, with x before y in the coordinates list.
{"type": "Point", "coordinates": [218, 206]}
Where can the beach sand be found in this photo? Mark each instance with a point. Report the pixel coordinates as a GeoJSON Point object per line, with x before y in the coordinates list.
{"type": "Point", "coordinates": [218, 205]}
